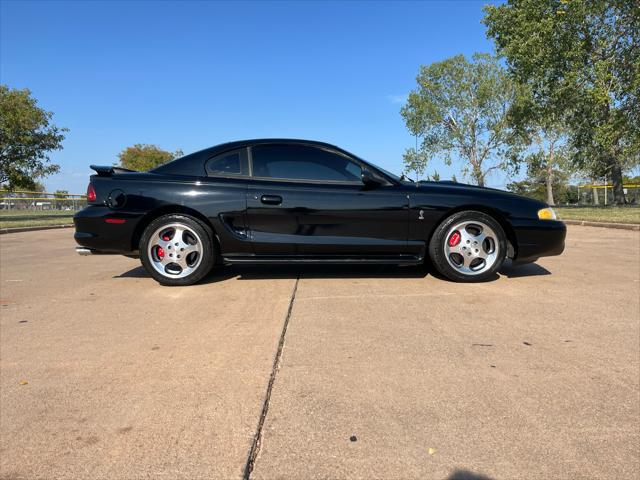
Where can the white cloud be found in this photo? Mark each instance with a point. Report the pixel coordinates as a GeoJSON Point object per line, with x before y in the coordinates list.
{"type": "Point", "coordinates": [397, 99]}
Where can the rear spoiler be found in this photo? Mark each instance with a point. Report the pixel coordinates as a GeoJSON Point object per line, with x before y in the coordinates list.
{"type": "Point", "coordinates": [107, 171]}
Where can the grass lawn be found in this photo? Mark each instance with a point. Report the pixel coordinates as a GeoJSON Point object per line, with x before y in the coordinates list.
{"type": "Point", "coordinates": [601, 214]}
{"type": "Point", "coordinates": [31, 218]}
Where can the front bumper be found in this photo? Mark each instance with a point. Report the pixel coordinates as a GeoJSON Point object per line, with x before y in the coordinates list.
{"type": "Point", "coordinates": [538, 238]}
{"type": "Point", "coordinates": [94, 234]}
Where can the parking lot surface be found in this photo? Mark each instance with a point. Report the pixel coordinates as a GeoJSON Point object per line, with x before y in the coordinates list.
{"type": "Point", "coordinates": [380, 372]}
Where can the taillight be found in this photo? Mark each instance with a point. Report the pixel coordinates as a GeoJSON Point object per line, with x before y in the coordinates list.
{"type": "Point", "coordinates": [91, 193]}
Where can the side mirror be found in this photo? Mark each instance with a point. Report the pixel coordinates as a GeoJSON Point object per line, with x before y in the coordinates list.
{"type": "Point", "coordinates": [371, 179]}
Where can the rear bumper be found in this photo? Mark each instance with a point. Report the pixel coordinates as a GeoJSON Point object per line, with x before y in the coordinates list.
{"type": "Point", "coordinates": [95, 234]}
{"type": "Point", "coordinates": [538, 238]}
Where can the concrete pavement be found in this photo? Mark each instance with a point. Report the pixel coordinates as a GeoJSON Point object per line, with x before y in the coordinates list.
{"type": "Point", "coordinates": [127, 379]}
{"type": "Point", "coordinates": [384, 372]}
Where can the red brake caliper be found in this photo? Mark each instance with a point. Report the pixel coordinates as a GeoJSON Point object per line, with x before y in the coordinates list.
{"type": "Point", "coordinates": [454, 239]}
{"type": "Point", "coordinates": [160, 250]}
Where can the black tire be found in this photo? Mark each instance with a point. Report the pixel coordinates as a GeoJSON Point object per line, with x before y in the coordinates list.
{"type": "Point", "coordinates": [439, 257]}
{"type": "Point", "coordinates": [207, 249]}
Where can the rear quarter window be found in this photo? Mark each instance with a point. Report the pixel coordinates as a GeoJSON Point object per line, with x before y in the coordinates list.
{"type": "Point", "coordinates": [233, 163]}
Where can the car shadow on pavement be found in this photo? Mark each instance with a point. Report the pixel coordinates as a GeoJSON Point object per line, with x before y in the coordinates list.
{"type": "Point", "coordinates": [527, 270]}
{"type": "Point", "coordinates": [263, 272]}
{"type": "Point", "coordinates": [467, 475]}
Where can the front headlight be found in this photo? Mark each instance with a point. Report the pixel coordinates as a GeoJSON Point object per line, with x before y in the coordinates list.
{"type": "Point", "coordinates": [547, 214]}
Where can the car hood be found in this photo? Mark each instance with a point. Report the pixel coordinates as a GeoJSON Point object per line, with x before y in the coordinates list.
{"type": "Point", "coordinates": [478, 193]}
{"type": "Point", "coordinates": [458, 185]}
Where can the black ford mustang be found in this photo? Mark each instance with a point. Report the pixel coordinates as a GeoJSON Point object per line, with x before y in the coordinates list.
{"type": "Point", "coordinates": [283, 201]}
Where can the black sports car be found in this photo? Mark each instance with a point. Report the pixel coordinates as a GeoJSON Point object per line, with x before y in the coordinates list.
{"type": "Point", "coordinates": [283, 201]}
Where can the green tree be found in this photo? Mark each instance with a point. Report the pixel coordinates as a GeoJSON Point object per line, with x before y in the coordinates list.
{"type": "Point", "coordinates": [460, 109]}
{"type": "Point", "coordinates": [581, 61]}
{"type": "Point", "coordinates": [635, 180]}
{"type": "Point", "coordinates": [143, 158]}
{"type": "Point", "coordinates": [415, 161]}
{"type": "Point", "coordinates": [27, 136]}
{"type": "Point", "coordinates": [547, 160]}
{"type": "Point", "coordinates": [37, 187]}
{"type": "Point", "coordinates": [545, 134]}
{"type": "Point", "coordinates": [547, 175]}
{"type": "Point", "coordinates": [62, 198]}
{"type": "Point", "coordinates": [534, 187]}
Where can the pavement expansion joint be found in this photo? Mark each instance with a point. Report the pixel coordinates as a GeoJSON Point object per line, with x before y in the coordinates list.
{"type": "Point", "coordinates": [257, 439]}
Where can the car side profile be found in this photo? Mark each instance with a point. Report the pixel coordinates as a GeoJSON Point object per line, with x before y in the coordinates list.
{"type": "Point", "coordinates": [299, 201]}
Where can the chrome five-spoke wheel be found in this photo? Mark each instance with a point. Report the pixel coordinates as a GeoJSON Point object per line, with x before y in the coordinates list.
{"type": "Point", "coordinates": [468, 246]}
{"type": "Point", "coordinates": [471, 247]}
{"type": "Point", "coordinates": [175, 250]}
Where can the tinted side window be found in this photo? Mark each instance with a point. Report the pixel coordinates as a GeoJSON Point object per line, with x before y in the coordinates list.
{"type": "Point", "coordinates": [228, 163]}
{"type": "Point", "coordinates": [303, 163]}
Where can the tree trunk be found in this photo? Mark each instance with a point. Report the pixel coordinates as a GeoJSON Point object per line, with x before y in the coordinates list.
{"type": "Point", "coordinates": [550, 191]}
{"type": "Point", "coordinates": [550, 160]}
{"type": "Point", "coordinates": [476, 168]}
{"type": "Point", "coordinates": [595, 196]}
{"type": "Point", "coordinates": [478, 175]}
{"type": "Point", "coordinates": [616, 179]}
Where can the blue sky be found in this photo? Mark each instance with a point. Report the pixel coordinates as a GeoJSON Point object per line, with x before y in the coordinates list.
{"type": "Point", "coordinates": [194, 74]}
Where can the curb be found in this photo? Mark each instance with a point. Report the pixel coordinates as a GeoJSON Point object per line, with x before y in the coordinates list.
{"type": "Point", "coordinates": [621, 226]}
{"type": "Point", "coordinates": [33, 229]}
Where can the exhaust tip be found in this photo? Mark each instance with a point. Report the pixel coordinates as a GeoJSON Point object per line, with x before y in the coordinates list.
{"type": "Point", "coordinates": [84, 251]}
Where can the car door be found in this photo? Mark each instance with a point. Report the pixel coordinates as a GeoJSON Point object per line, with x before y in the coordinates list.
{"type": "Point", "coordinates": [310, 201]}
{"type": "Point", "coordinates": [222, 197]}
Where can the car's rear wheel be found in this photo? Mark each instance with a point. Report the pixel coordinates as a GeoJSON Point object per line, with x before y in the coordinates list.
{"type": "Point", "coordinates": [177, 250]}
{"type": "Point", "coordinates": [468, 246]}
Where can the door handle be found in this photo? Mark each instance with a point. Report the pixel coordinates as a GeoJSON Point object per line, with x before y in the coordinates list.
{"type": "Point", "coordinates": [271, 199]}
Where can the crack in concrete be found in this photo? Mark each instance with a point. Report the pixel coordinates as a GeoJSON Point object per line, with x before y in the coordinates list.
{"type": "Point", "coordinates": [257, 439]}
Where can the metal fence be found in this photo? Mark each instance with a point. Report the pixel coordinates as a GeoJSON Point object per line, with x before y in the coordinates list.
{"type": "Point", "coordinates": [602, 195]}
{"type": "Point", "coordinates": [18, 200]}
{"type": "Point", "coordinates": [576, 194]}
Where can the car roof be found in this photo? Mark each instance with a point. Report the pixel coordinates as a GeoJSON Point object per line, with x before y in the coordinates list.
{"type": "Point", "coordinates": [193, 163]}
{"type": "Point", "coordinates": [257, 141]}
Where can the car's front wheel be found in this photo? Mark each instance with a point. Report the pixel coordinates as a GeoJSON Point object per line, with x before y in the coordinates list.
{"type": "Point", "coordinates": [177, 250]}
{"type": "Point", "coordinates": [468, 246]}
